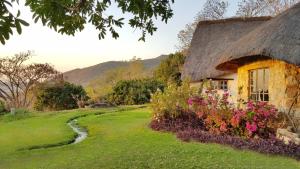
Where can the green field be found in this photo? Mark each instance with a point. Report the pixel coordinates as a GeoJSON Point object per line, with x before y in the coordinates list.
{"type": "Point", "coordinates": [117, 139]}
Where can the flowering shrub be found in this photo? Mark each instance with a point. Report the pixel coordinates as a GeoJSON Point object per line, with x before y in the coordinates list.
{"type": "Point", "coordinates": [258, 119]}
{"type": "Point", "coordinates": [213, 109]}
{"type": "Point", "coordinates": [210, 118]}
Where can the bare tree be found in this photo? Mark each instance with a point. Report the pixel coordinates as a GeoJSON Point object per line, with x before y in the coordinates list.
{"type": "Point", "coordinates": [185, 37]}
{"type": "Point", "coordinates": [212, 10]}
{"type": "Point", "coordinates": [18, 78]}
{"type": "Point", "coordinates": [250, 8]}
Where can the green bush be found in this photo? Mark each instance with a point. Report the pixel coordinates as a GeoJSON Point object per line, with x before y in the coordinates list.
{"type": "Point", "coordinates": [59, 97]}
{"type": "Point", "coordinates": [132, 92]}
{"type": "Point", "coordinates": [171, 102]}
{"type": "Point", "coordinates": [2, 107]}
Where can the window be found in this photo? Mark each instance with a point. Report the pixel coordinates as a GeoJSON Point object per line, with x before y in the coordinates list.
{"type": "Point", "coordinates": [259, 84]}
{"type": "Point", "coordinates": [223, 85]}
{"type": "Point", "coordinates": [220, 85]}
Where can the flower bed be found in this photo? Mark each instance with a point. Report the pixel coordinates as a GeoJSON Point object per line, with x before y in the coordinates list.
{"type": "Point", "coordinates": [210, 118]}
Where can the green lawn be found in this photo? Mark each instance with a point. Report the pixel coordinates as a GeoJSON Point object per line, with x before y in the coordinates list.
{"type": "Point", "coordinates": [119, 139]}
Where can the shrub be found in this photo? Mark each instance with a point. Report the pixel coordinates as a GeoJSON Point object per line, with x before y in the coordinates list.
{"type": "Point", "coordinates": [188, 127]}
{"type": "Point", "coordinates": [172, 102]}
{"type": "Point", "coordinates": [214, 109]}
{"type": "Point", "coordinates": [209, 118]}
{"type": "Point", "coordinates": [258, 119]}
{"type": "Point", "coordinates": [60, 97]}
{"type": "Point", "coordinates": [2, 107]}
{"type": "Point", "coordinates": [132, 92]}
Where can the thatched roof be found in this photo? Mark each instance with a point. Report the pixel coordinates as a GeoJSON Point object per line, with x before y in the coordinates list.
{"type": "Point", "coordinates": [211, 38]}
{"type": "Point", "coordinates": [278, 38]}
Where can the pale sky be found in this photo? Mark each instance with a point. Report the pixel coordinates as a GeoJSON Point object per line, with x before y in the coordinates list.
{"type": "Point", "coordinates": [85, 49]}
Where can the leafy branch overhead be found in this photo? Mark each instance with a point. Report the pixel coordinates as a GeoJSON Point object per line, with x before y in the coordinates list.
{"type": "Point", "coordinates": [9, 21]}
{"type": "Point", "coordinates": [71, 16]}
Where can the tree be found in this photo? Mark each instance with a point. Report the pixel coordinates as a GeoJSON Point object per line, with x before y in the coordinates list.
{"type": "Point", "coordinates": [169, 69]}
{"type": "Point", "coordinates": [212, 10]}
{"type": "Point", "coordinates": [251, 8]}
{"type": "Point", "coordinates": [68, 17]}
{"type": "Point", "coordinates": [57, 96]}
{"type": "Point", "coordinates": [18, 78]}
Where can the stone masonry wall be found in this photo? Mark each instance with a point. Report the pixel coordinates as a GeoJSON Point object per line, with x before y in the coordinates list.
{"type": "Point", "coordinates": [292, 76]}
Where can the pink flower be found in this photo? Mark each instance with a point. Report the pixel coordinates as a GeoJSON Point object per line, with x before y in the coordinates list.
{"type": "Point", "coordinates": [190, 101]}
{"type": "Point", "coordinates": [251, 127]}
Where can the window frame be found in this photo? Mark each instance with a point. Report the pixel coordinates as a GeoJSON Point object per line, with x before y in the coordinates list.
{"type": "Point", "coordinates": [265, 95]}
{"type": "Point", "coordinates": [223, 85]}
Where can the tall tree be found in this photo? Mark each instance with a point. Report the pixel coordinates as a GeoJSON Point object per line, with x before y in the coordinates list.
{"type": "Point", "coordinates": [212, 10]}
{"type": "Point", "coordinates": [169, 70]}
{"type": "Point", "coordinates": [18, 78]}
{"type": "Point", "coordinates": [70, 16]}
{"type": "Point", "coordinates": [250, 8]}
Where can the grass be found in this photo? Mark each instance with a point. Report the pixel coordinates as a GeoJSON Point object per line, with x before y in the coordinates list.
{"type": "Point", "coordinates": [118, 139]}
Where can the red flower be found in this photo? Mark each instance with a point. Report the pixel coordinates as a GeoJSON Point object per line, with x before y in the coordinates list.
{"type": "Point", "coordinates": [223, 127]}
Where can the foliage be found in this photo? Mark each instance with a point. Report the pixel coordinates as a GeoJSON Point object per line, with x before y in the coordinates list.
{"type": "Point", "coordinates": [2, 107]}
{"type": "Point", "coordinates": [169, 69]}
{"type": "Point", "coordinates": [68, 17]}
{"type": "Point", "coordinates": [172, 102]}
{"type": "Point", "coordinates": [17, 78]}
{"type": "Point", "coordinates": [251, 8]}
{"type": "Point", "coordinates": [60, 96]}
{"type": "Point", "coordinates": [212, 10]}
{"type": "Point", "coordinates": [9, 21]}
{"type": "Point", "coordinates": [269, 146]}
{"type": "Point", "coordinates": [101, 86]}
{"type": "Point", "coordinates": [190, 128]}
{"type": "Point", "coordinates": [258, 119]}
{"type": "Point", "coordinates": [131, 92]}
{"type": "Point", "coordinates": [210, 118]}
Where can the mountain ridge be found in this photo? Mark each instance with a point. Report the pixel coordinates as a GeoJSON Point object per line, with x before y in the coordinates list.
{"type": "Point", "coordinates": [82, 76]}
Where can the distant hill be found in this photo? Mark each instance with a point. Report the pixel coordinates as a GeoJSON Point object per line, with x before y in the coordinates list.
{"type": "Point", "coordinates": [85, 75]}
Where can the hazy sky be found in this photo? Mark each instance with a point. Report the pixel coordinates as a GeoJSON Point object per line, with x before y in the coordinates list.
{"type": "Point", "coordinates": [85, 49]}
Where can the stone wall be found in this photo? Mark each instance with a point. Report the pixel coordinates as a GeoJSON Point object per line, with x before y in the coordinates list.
{"type": "Point", "coordinates": [292, 75]}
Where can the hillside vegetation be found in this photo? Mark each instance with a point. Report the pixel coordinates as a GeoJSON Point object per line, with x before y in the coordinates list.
{"type": "Point", "coordinates": [85, 75]}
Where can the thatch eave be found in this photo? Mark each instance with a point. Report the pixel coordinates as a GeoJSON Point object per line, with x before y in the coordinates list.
{"type": "Point", "coordinates": [277, 39]}
{"type": "Point", "coordinates": [211, 38]}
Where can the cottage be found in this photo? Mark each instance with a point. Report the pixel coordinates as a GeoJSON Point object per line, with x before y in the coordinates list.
{"type": "Point", "coordinates": [252, 58]}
